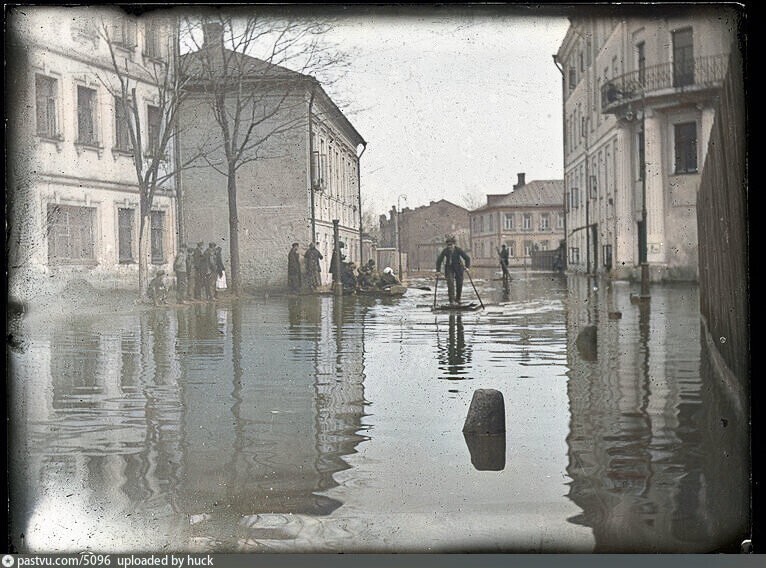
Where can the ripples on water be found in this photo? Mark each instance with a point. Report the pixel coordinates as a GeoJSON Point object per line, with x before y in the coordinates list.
{"type": "Point", "coordinates": [306, 424]}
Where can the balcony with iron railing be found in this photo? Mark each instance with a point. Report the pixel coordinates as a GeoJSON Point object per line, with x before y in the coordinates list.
{"type": "Point", "coordinates": [672, 78]}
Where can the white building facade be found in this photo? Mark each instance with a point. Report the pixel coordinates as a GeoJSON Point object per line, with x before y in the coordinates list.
{"type": "Point", "coordinates": [638, 107]}
{"type": "Point", "coordinates": [73, 190]}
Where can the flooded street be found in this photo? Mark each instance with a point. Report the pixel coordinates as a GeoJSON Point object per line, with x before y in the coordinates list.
{"type": "Point", "coordinates": [308, 424]}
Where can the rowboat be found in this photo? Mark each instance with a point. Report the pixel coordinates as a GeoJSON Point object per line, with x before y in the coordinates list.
{"type": "Point", "coordinates": [394, 290]}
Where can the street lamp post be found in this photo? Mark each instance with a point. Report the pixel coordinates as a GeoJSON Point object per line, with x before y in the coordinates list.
{"type": "Point", "coordinates": [399, 232]}
{"type": "Point", "coordinates": [645, 254]}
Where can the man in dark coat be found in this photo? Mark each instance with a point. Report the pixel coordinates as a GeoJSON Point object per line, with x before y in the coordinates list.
{"type": "Point", "coordinates": [294, 269]}
{"type": "Point", "coordinates": [456, 261]}
{"type": "Point", "coordinates": [331, 270]}
{"type": "Point", "coordinates": [504, 260]}
{"type": "Point", "coordinates": [190, 273]}
{"type": "Point", "coordinates": [200, 270]}
{"type": "Point", "coordinates": [208, 269]}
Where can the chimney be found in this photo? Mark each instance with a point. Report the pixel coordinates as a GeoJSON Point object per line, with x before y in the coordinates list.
{"type": "Point", "coordinates": [212, 33]}
{"type": "Point", "coordinates": [521, 181]}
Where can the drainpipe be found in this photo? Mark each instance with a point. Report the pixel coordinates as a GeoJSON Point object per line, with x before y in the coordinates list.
{"type": "Point", "coordinates": [565, 259]}
{"type": "Point", "coordinates": [176, 145]}
{"type": "Point", "coordinates": [359, 197]}
{"type": "Point", "coordinates": [311, 166]}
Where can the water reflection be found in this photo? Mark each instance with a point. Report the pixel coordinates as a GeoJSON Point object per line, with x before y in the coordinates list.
{"type": "Point", "coordinates": [636, 445]}
{"type": "Point", "coordinates": [455, 355]}
{"type": "Point", "coordinates": [238, 427]}
{"type": "Point", "coordinates": [189, 412]}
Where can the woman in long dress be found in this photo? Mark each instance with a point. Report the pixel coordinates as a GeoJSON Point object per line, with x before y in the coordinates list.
{"type": "Point", "coordinates": [312, 257]}
{"type": "Point", "coordinates": [294, 269]}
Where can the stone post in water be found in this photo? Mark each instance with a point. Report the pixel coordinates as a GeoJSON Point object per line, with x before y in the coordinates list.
{"type": "Point", "coordinates": [486, 415]}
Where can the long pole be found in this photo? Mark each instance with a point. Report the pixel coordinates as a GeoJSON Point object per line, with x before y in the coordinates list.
{"type": "Point", "coordinates": [644, 225]}
{"type": "Point", "coordinates": [474, 287]}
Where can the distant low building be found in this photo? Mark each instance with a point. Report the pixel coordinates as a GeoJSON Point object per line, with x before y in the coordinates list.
{"type": "Point", "coordinates": [529, 218]}
{"type": "Point", "coordinates": [423, 229]}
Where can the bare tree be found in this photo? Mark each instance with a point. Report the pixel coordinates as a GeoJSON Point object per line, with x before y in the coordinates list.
{"type": "Point", "coordinates": [254, 73]}
{"type": "Point", "coordinates": [472, 201]}
{"type": "Point", "coordinates": [157, 78]}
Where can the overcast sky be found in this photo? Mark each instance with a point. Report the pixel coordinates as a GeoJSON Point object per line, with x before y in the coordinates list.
{"type": "Point", "coordinates": [452, 105]}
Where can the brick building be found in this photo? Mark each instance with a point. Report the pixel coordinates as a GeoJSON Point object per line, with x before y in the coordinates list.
{"type": "Point", "coordinates": [422, 231]}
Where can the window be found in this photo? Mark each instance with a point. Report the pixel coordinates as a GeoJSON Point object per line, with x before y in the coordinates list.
{"type": "Point", "coordinates": [125, 234]}
{"type": "Point", "coordinates": [86, 116]}
{"type": "Point", "coordinates": [491, 217]}
{"type": "Point", "coordinates": [121, 133]}
{"type": "Point", "coordinates": [559, 221]}
{"type": "Point", "coordinates": [528, 247]}
{"type": "Point", "coordinates": [641, 59]}
{"type": "Point", "coordinates": [157, 236]}
{"type": "Point", "coordinates": [511, 248]}
{"type": "Point", "coordinates": [572, 78]}
{"type": "Point", "coordinates": [588, 50]}
{"type": "Point", "coordinates": [153, 125]}
{"type": "Point", "coordinates": [574, 255]}
{"type": "Point", "coordinates": [543, 245]}
{"type": "Point", "coordinates": [615, 67]}
{"type": "Point", "coordinates": [123, 33]}
{"type": "Point", "coordinates": [508, 221]}
{"type": "Point", "coordinates": [527, 221]}
{"type": "Point", "coordinates": [46, 89]}
{"type": "Point", "coordinates": [545, 222]}
{"type": "Point", "coordinates": [683, 58]}
{"type": "Point", "coordinates": [481, 224]}
{"type": "Point", "coordinates": [152, 40]}
{"type": "Point", "coordinates": [582, 61]}
{"type": "Point", "coordinates": [71, 237]}
{"type": "Point", "coordinates": [686, 147]}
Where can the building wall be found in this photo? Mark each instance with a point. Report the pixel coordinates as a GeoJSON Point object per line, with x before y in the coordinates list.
{"type": "Point", "coordinates": [489, 232]}
{"type": "Point", "coordinates": [602, 149]}
{"type": "Point", "coordinates": [424, 228]}
{"type": "Point", "coordinates": [722, 217]}
{"type": "Point", "coordinates": [274, 191]}
{"type": "Point", "coordinates": [52, 166]}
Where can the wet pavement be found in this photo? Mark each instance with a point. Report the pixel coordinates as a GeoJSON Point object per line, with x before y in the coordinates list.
{"type": "Point", "coordinates": [307, 424]}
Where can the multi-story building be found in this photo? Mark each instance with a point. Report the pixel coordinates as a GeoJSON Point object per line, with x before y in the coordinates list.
{"type": "Point", "coordinates": [529, 218]}
{"type": "Point", "coordinates": [290, 187]}
{"type": "Point", "coordinates": [638, 97]}
{"type": "Point", "coordinates": [422, 231]}
{"type": "Point", "coordinates": [72, 187]}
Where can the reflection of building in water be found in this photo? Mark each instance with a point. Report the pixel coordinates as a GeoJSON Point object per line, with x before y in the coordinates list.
{"type": "Point", "coordinates": [640, 421]}
{"type": "Point", "coordinates": [200, 413]}
{"type": "Point", "coordinates": [269, 431]}
{"type": "Point", "coordinates": [455, 355]}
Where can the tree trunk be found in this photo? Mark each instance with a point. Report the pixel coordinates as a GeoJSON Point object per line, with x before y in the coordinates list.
{"type": "Point", "coordinates": [236, 282]}
{"type": "Point", "coordinates": [144, 253]}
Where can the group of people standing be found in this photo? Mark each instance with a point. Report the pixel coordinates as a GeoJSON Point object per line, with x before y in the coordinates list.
{"type": "Point", "coordinates": [349, 276]}
{"type": "Point", "coordinates": [199, 272]}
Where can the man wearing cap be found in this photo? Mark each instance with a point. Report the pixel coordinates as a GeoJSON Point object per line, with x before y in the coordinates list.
{"type": "Point", "coordinates": [209, 271]}
{"type": "Point", "coordinates": [456, 261]}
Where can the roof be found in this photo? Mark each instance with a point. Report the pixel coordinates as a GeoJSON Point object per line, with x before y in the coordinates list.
{"type": "Point", "coordinates": [265, 72]}
{"type": "Point", "coordinates": [537, 193]}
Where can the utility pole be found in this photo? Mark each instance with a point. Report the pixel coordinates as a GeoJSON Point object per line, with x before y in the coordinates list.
{"type": "Point", "coordinates": [399, 232]}
{"type": "Point", "coordinates": [338, 286]}
{"type": "Point", "coordinates": [645, 229]}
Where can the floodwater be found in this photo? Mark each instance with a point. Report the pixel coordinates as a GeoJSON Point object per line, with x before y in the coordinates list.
{"type": "Point", "coordinates": [307, 424]}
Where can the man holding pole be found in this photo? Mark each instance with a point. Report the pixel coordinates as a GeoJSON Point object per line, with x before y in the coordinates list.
{"type": "Point", "coordinates": [456, 261]}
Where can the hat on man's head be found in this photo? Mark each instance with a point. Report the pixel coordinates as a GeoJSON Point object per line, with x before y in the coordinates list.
{"type": "Point", "coordinates": [295, 244]}
{"type": "Point", "coordinates": [450, 240]}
